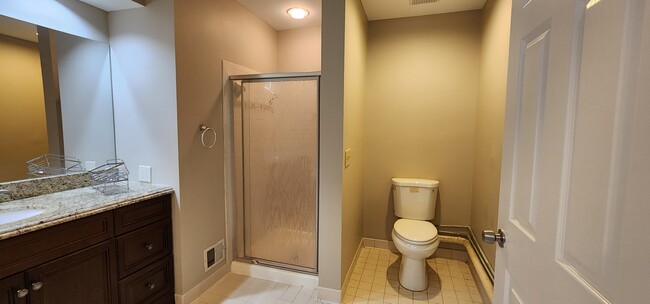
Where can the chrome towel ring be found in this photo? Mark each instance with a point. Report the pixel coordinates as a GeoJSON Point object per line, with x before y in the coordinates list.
{"type": "Point", "coordinates": [205, 129]}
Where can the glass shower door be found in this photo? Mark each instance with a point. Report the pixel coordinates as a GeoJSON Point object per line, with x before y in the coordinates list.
{"type": "Point", "coordinates": [279, 170]}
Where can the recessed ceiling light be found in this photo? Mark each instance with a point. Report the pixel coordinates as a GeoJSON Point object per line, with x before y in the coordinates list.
{"type": "Point", "coordinates": [298, 13]}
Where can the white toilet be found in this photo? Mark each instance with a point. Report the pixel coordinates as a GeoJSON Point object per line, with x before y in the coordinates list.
{"type": "Point", "coordinates": [414, 236]}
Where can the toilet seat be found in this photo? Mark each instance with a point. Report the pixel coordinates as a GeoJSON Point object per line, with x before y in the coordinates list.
{"type": "Point", "coordinates": [415, 232]}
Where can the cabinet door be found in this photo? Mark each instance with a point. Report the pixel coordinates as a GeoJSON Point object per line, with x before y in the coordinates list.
{"type": "Point", "coordinates": [9, 288]}
{"type": "Point", "coordinates": [87, 276]}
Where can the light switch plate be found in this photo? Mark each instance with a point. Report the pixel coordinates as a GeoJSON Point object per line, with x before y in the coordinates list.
{"type": "Point", "coordinates": [145, 174]}
{"type": "Point", "coordinates": [348, 157]}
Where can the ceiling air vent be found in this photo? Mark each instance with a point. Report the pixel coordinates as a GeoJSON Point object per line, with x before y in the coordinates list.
{"type": "Point", "coordinates": [416, 2]}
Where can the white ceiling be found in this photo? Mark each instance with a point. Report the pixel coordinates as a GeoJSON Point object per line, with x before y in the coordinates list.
{"type": "Point", "coordinates": [18, 29]}
{"type": "Point", "coordinates": [112, 5]}
{"type": "Point", "coordinates": [389, 9]}
{"type": "Point", "coordinates": [274, 12]}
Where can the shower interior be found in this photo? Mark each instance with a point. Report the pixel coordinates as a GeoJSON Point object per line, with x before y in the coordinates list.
{"type": "Point", "coordinates": [275, 134]}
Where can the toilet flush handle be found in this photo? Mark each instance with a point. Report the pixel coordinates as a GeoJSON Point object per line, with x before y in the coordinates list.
{"type": "Point", "coordinates": [490, 237]}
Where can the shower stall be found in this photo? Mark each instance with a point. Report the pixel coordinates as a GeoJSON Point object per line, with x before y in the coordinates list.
{"type": "Point", "coordinates": [275, 136]}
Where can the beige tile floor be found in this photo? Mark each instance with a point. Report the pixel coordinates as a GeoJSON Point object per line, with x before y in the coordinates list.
{"type": "Point", "coordinates": [239, 289]}
{"type": "Point", "coordinates": [375, 280]}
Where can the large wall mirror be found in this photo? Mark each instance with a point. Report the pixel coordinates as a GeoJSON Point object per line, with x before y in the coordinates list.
{"type": "Point", "coordinates": [55, 97]}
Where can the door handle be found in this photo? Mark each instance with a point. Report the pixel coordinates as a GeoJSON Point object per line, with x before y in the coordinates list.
{"type": "Point", "coordinates": [490, 237]}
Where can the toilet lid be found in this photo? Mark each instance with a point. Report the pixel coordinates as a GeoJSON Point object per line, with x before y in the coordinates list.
{"type": "Point", "coordinates": [415, 231]}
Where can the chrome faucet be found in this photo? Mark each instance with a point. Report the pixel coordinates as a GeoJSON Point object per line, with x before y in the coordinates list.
{"type": "Point", "coordinates": [5, 191]}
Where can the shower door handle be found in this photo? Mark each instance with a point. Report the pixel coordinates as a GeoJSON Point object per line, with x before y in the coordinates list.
{"type": "Point", "coordinates": [490, 237]}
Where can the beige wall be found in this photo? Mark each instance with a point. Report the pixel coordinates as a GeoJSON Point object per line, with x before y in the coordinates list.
{"type": "Point", "coordinates": [208, 32]}
{"type": "Point", "coordinates": [22, 107]}
{"type": "Point", "coordinates": [331, 146]}
{"type": "Point", "coordinates": [299, 50]}
{"type": "Point", "coordinates": [420, 113]}
{"type": "Point", "coordinates": [356, 32]}
{"type": "Point", "coordinates": [489, 119]}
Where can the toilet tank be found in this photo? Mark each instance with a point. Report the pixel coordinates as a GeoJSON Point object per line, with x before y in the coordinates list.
{"type": "Point", "coordinates": [415, 198]}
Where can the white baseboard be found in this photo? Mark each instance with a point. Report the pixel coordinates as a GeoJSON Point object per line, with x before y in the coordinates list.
{"type": "Point", "coordinates": [274, 274]}
{"type": "Point", "coordinates": [329, 295]}
{"type": "Point", "coordinates": [196, 291]}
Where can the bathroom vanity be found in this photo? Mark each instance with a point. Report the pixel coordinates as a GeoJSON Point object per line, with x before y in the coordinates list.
{"type": "Point", "coordinates": [89, 248]}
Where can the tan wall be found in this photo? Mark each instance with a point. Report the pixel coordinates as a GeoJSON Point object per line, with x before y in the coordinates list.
{"type": "Point", "coordinates": [420, 111]}
{"type": "Point", "coordinates": [23, 133]}
{"type": "Point", "coordinates": [489, 119]}
{"type": "Point", "coordinates": [331, 146]}
{"type": "Point", "coordinates": [208, 32]}
{"type": "Point", "coordinates": [299, 50]}
{"type": "Point", "coordinates": [356, 32]}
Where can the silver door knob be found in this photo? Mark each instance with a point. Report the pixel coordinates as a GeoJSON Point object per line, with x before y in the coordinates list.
{"type": "Point", "coordinates": [149, 246]}
{"type": "Point", "coordinates": [37, 285]}
{"type": "Point", "coordinates": [490, 237]}
{"type": "Point", "coordinates": [150, 285]}
{"type": "Point", "coordinates": [21, 293]}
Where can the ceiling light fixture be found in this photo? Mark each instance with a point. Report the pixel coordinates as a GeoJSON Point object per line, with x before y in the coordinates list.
{"type": "Point", "coordinates": [298, 13]}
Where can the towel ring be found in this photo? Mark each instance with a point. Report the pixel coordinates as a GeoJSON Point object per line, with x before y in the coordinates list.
{"type": "Point", "coordinates": [214, 135]}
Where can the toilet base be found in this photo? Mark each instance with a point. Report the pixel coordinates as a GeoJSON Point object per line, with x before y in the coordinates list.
{"type": "Point", "coordinates": [413, 274]}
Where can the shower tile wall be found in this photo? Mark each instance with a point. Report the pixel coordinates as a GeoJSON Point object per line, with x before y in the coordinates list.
{"type": "Point", "coordinates": [280, 220]}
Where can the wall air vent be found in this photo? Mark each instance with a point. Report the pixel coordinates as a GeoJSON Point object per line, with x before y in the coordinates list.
{"type": "Point", "coordinates": [416, 2]}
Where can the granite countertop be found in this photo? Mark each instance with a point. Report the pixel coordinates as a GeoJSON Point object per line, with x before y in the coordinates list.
{"type": "Point", "coordinates": [65, 206]}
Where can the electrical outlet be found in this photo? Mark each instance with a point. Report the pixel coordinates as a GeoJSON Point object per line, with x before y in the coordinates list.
{"type": "Point", "coordinates": [348, 157]}
{"type": "Point", "coordinates": [213, 255]}
{"type": "Point", "coordinates": [144, 174]}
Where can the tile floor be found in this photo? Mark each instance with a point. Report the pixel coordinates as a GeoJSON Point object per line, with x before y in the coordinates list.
{"type": "Point", "coordinates": [374, 280]}
{"type": "Point", "coordinates": [239, 289]}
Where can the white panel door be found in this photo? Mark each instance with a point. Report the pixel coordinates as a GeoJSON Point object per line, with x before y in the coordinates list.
{"type": "Point", "coordinates": [575, 188]}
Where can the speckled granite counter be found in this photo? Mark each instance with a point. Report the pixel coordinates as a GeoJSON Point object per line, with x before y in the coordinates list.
{"type": "Point", "coordinates": [65, 206]}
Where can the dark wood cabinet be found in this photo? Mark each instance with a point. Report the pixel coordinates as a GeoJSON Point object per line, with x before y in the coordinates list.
{"type": "Point", "coordinates": [119, 256]}
{"type": "Point", "coordinates": [87, 276]}
{"type": "Point", "coordinates": [138, 248]}
{"type": "Point", "coordinates": [148, 285]}
{"type": "Point", "coordinates": [9, 288]}
{"type": "Point", "coordinates": [144, 252]}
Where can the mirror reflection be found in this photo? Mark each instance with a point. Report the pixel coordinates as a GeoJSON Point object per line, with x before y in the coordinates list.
{"type": "Point", "coordinates": [55, 98]}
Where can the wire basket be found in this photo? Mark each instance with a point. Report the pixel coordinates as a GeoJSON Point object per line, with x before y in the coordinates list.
{"type": "Point", "coordinates": [110, 178]}
{"type": "Point", "coordinates": [53, 164]}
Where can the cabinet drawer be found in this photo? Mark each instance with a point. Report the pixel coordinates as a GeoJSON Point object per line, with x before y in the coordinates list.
{"type": "Point", "coordinates": [148, 285]}
{"type": "Point", "coordinates": [142, 214]}
{"type": "Point", "coordinates": [142, 247]}
{"type": "Point", "coordinates": [22, 252]}
{"type": "Point", "coordinates": [166, 299]}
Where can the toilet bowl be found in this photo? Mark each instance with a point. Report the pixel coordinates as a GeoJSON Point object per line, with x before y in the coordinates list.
{"type": "Point", "coordinates": [416, 240]}
{"type": "Point", "coordinates": [413, 235]}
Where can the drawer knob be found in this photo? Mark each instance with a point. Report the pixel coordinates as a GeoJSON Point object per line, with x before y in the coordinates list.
{"type": "Point", "coordinates": [150, 285]}
{"type": "Point", "coordinates": [149, 246]}
{"type": "Point", "coordinates": [37, 285]}
{"type": "Point", "coordinates": [21, 293]}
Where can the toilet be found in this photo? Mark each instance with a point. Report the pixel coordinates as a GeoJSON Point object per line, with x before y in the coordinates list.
{"type": "Point", "coordinates": [413, 235]}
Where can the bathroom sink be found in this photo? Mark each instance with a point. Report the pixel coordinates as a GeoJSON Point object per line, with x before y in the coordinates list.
{"type": "Point", "coordinates": [13, 215]}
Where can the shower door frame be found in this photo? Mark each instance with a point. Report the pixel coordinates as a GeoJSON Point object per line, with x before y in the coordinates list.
{"type": "Point", "coordinates": [240, 178]}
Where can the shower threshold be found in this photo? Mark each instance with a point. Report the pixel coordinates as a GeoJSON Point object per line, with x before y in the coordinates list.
{"type": "Point", "coordinates": [278, 265]}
